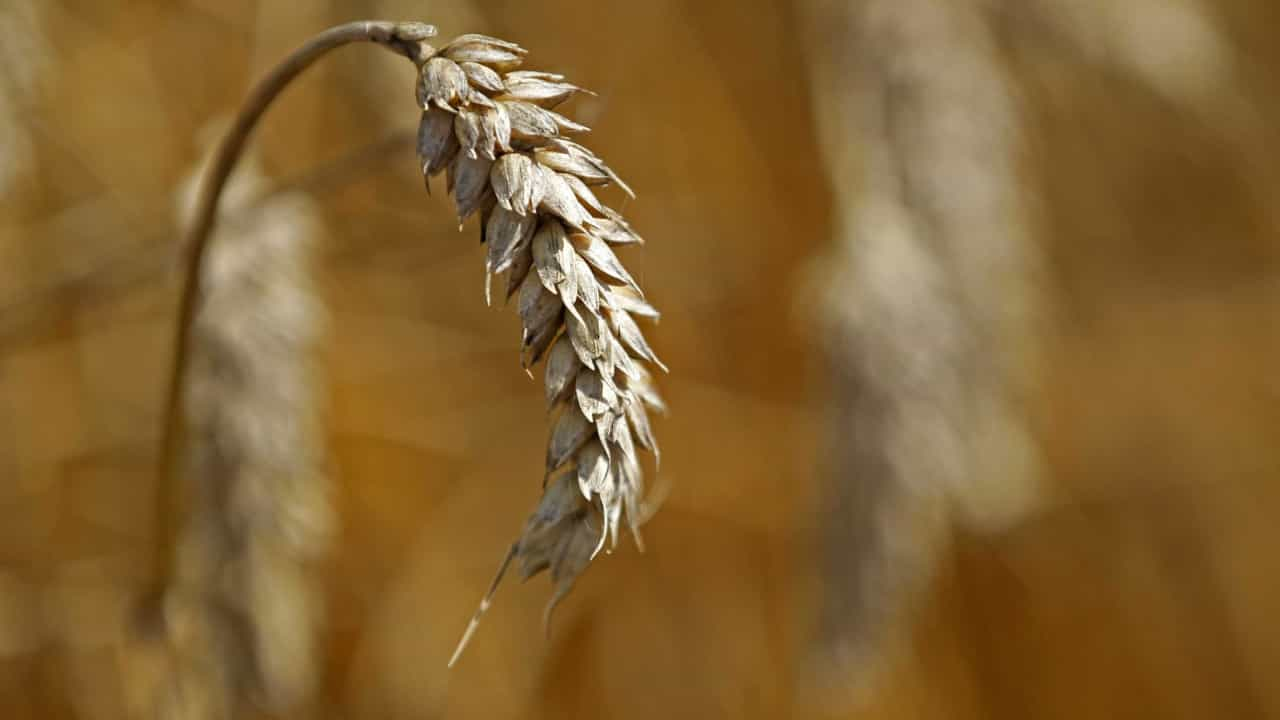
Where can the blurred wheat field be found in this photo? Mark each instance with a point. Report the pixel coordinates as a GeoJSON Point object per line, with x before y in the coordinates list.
{"type": "Point", "coordinates": [1143, 583]}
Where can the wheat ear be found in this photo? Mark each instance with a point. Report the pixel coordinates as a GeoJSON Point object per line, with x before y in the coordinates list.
{"type": "Point", "coordinates": [926, 314]}
{"type": "Point", "coordinates": [242, 609]}
{"type": "Point", "coordinates": [493, 129]}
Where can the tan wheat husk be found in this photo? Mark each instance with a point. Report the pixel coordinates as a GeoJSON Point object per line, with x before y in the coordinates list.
{"type": "Point", "coordinates": [496, 133]}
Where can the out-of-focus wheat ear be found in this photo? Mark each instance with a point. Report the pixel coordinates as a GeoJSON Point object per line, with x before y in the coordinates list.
{"type": "Point", "coordinates": [241, 422]}
{"type": "Point", "coordinates": [930, 259]}
{"type": "Point", "coordinates": [259, 511]}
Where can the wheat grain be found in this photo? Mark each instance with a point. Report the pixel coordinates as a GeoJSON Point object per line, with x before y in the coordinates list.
{"type": "Point", "coordinates": [493, 130]}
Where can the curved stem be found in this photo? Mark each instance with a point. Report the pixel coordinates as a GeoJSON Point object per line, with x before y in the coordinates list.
{"type": "Point", "coordinates": [402, 38]}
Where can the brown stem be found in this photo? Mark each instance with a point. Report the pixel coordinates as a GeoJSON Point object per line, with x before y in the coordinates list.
{"type": "Point", "coordinates": [402, 38]}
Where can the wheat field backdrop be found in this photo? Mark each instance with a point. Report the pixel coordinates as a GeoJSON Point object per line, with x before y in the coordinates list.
{"type": "Point", "coordinates": [1138, 578]}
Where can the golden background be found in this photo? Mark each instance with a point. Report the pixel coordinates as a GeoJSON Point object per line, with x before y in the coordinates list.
{"type": "Point", "coordinates": [1145, 583]}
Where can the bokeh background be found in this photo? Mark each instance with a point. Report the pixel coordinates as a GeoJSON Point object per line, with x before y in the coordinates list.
{"type": "Point", "coordinates": [1142, 581]}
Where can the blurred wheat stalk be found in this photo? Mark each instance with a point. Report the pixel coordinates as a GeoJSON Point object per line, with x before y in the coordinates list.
{"type": "Point", "coordinates": [24, 58]}
{"type": "Point", "coordinates": [927, 313]}
{"type": "Point", "coordinates": [932, 313]}
{"type": "Point", "coordinates": [241, 609]}
{"type": "Point", "coordinates": [238, 612]}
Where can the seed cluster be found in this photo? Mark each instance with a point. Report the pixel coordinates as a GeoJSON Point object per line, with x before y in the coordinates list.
{"type": "Point", "coordinates": [493, 131]}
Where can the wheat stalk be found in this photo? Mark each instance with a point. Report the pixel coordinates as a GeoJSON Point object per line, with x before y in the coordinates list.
{"type": "Point", "coordinates": [241, 607]}
{"type": "Point", "coordinates": [927, 313]}
{"type": "Point", "coordinates": [493, 130]}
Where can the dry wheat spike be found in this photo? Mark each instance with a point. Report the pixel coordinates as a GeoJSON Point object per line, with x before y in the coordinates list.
{"type": "Point", "coordinates": [493, 130]}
